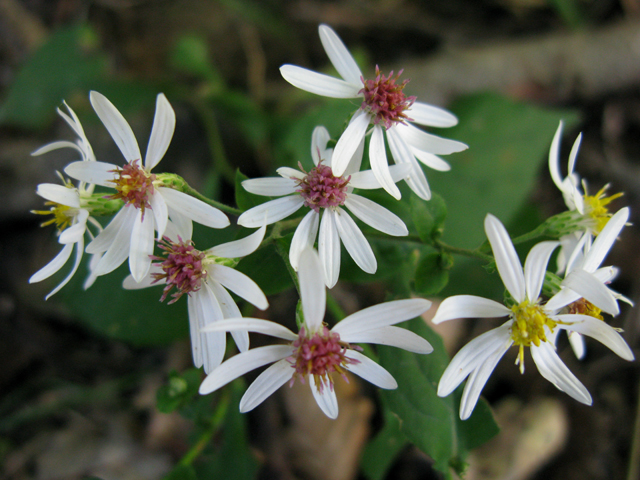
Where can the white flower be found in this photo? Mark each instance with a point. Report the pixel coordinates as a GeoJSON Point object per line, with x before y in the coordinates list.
{"type": "Point", "coordinates": [130, 233]}
{"type": "Point", "coordinates": [386, 106]}
{"type": "Point", "coordinates": [316, 352]}
{"type": "Point", "coordinates": [531, 324]}
{"type": "Point", "coordinates": [320, 190]}
{"type": "Point", "coordinates": [204, 276]}
{"type": "Point", "coordinates": [69, 207]}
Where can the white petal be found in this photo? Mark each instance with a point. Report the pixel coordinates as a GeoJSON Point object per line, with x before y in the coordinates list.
{"type": "Point", "coordinates": [118, 251]}
{"type": "Point", "coordinates": [379, 165]}
{"type": "Point", "coordinates": [553, 369]}
{"type": "Point", "coordinates": [366, 180]}
{"type": "Point", "coordinates": [469, 306]}
{"type": "Point", "coordinates": [242, 247]}
{"type": "Point", "coordinates": [183, 225]}
{"type": "Point", "coordinates": [74, 269]}
{"type": "Point", "coordinates": [242, 363]}
{"type": "Point", "coordinates": [160, 213]}
{"type": "Point", "coordinates": [554, 157]}
{"type": "Point", "coordinates": [98, 173]}
{"type": "Point", "coordinates": [195, 209]}
{"type": "Point", "coordinates": [577, 344]}
{"type": "Point", "coordinates": [270, 187]}
{"type": "Point", "coordinates": [507, 261]}
{"type": "Point", "coordinates": [378, 316]}
{"type": "Point", "coordinates": [288, 172]}
{"type": "Point", "coordinates": [239, 284]}
{"type": "Point", "coordinates": [230, 310]}
{"type": "Point", "coordinates": [370, 371]}
{"type": "Point", "coordinates": [431, 116]}
{"type": "Point", "coordinates": [354, 241]}
{"type": "Point", "coordinates": [392, 336]}
{"type": "Point", "coordinates": [605, 240]}
{"type": "Point", "coordinates": [148, 281]}
{"type": "Point", "coordinates": [213, 344]}
{"type": "Point", "coordinates": [431, 160]}
{"type": "Point", "coordinates": [318, 83]}
{"type": "Point", "coordinates": [55, 146]}
{"type": "Point", "coordinates": [271, 211]}
{"type": "Point", "coordinates": [326, 400]}
{"type": "Point", "coordinates": [376, 216]}
{"type": "Point", "coordinates": [574, 154]}
{"type": "Point", "coordinates": [329, 249]}
{"type": "Point", "coordinates": [354, 164]}
{"type": "Point", "coordinates": [535, 268]}
{"type": "Point", "coordinates": [340, 56]}
{"type": "Point", "coordinates": [164, 123]}
{"type": "Point", "coordinates": [267, 382]}
{"type": "Point", "coordinates": [141, 246]}
{"type": "Point", "coordinates": [194, 329]}
{"type": "Point", "coordinates": [59, 194]}
{"type": "Point", "coordinates": [105, 238]}
{"type": "Point", "coordinates": [319, 139]}
{"type": "Point", "coordinates": [75, 232]}
{"type": "Point", "coordinates": [594, 328]}
{"type": "Point", "coordinates": [256, 325]}
{"type": "Point", "coordinates": [593, 290]}
{"type": "Point", "coordinates": [349, 142]}
{"type": "Point", "coordinates": [117, 126]}
{"type": "Point", "coordinates": [312, 291]}
{"type": "Point", "coordinates": [403, 155]}
{"type": "Point", "coordinates": [561, 299]}
{"type": "Point", "coordinates": [428, 142]}
{"type": "Point", "coordinates": [53, 266]}
{"type": "Point", "coordinates": [304, 237]}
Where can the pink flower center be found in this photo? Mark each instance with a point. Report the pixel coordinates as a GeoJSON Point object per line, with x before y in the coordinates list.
{"type": "Point", "coordinates": [181, 268]}
{"type": "Point", "coordinates": [321, 189]}
{"type": "Point", "coordinates": [385, 100]}
{"type": "Point", "coordinates": [320, 355]}
{"type": "Point", "coordinates": [134, 185]}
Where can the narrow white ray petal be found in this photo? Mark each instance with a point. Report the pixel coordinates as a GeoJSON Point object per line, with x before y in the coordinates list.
{"type": "Point", "coordinates": [106, 237]}
{"type": "Point", "coordinates": [428, 142]}
{"type": "Point", "coordinates": [319, 139]}
{"type": "Point", "coordinates": [553, 369]}
{"type": "Point", "coordinates": [148, 281]}
{"type": "Point", "coordinates": [431, 116]}
{"type": "Point", "coordinates": [404, 155]}
{"type": "Point", "coordinates": [477, 381]}
{"type": "Point", "coordinates": [240, 248]}
{"type": "Point", "coordinates": [354, 241]}
{"type": "Point", "coordinates": [164, 123]}
{"type": "Point", "coordinates": [605, 239]}
{"type": "Point", "coordinates": [117, 126]}
{"type": "Point", "coordinates": [288, 172]}
{"type": "Point", "coordinates": [561, 299]}
{"type": "Point", "coordinates": [376, 216]}
{"type": "Point", "coordinates": [141, 245]}
{"type": "Point", "coordinates": [194, 329]}
{"type": "Point", "coordinates": [554, 157]}
{"type": "Point", "coordinates": [535, 268]}
{"type": "Point", "coordinates": [507, 261]}
{"type": "Point", "coordinates": [574, 244]}
{"type": "Point", "coordinates": [392, 336]}
{"type": "Point", "coordinates": [74, 233]}
{"type": "Point", "coordinates": [271, 186]}
{"type": "Point", "coordinates": [381, 315]}
{"type": "Point", "coordinates": [91, 277]}
{"type": "Point", "coordinates": [183, 225]}
{"type": "Point", "coordinates": [326, 400]}
{"type": "Point", "coordinates": [256, 325]}
{"type": "Point", "coordinates": [577, 344]}
{"type": "Point", "coordinates": [594, 328]}
{"type": "Point", "coordinates": [318, 83]}
{"type": "Point", "coordinates": [195, 209]}
{"type": "Point", "coordinates": [55, 146]}
{"type": "Point", "coordinates": [160, 213]}
{"type": "Point", "coordinates": [312, 291]}
{"type": "Point", "coordinates": [53, 266]}
{"type": "Point", "coordinates": [230, 310]}
{"type": "Point", "coordinates": [242, 363]}
{"type": "Point", "coordinates": [354, 164]}
{"type": "Point", "coordinates": [239, 284]}
{"type": "Point", "coordinates": [379, 164]}
{"type": "Point", "coordinates": [74, 269]}
{"type": "Point", "coordinates": [213, 343]}
{"type": "Point", "coordinates": [118, 250]}
{"type": "Point", "coordinates": [574, 154]}
{"type": "Point", "coordinates": [59, 194]}
{"type": "Point", "coordinates": [366, 180]}
{"type": "Point", "coordinates": [304, 237]}
{"type": "Point", "coordinates": [271, 211]}
{"type": "Point", "coordinates": [370, 371]}
{"type": "Point", "coordinates": [340, 56]}
{"type": "Point", "coordinates": [431, 160]}
{"type": "Point", "coordinates": [267, 382]}
{"type": "Point", "coordinates": [593, 290]}
{"type": "Point", "coordinates": [98, 173]}
{"type": "Point", "coordinates": [348, 142]}
{"type": "Point", "coordinates": [329, 248]}
{"type": "Point", "coordinates": [469, 306]}
{"type": "Point", "coordinates": [72, 120]}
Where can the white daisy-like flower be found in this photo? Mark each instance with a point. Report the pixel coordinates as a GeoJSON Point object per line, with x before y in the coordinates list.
{"type": "Point", "coordinates": [322, 191]}
{"type": "Point", "coordinates": [384, 105]}
{"type": "Point", "coordinates": [591, 212]}
{"type": "Point", "coordinates": [204, 276]}
{"type": "Point", "coordinates": [69, 206]}
{"type": "Point", "coordinates": [130, 233]}
{"type": "Point", "coordinates": [531, 324]}
{"type": "Point", "coordinates": [317, 352]}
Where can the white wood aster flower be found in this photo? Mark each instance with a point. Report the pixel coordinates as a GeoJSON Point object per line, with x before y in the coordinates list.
{"type": "Point", "coordinates": [130, 234]}
{"type": "Point", "coordinates": [389, 110]}
{"type": "Point", "coordinates": [316, 352]}
{"type": "Point", "coordinates": [531, 324]}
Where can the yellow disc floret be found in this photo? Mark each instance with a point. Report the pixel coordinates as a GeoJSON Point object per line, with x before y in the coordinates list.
{"type": "Point", "coordinates": [596, 208]}
{"type": "Point", "coordinates": [529, 320]}
{"type": "Point", "coordinates": [62, 215]}
{"type": "Point", "coordinates": [585, 307]}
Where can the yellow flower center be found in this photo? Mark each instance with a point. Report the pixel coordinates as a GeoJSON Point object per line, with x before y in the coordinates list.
{"type": "Point", "coordinates": [585, 307]}
{"type": "Point", "coordinates": [62, 215]}
{"type": "Point", "coordinates": [529, 321]}
{"type": "Point", "coordinates": [596, 208]}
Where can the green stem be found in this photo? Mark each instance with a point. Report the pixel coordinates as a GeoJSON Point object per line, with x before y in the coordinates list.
{"type": "Point", "coordinates": [462, 251]}
{"type": "Point", "coordinates": [186, 188]}
{"type": "Point", "coordinates": [537, 232]}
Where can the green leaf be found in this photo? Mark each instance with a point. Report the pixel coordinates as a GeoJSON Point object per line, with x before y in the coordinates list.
{"type": "Point", "coordinates": [381, 451]}
{"type": "Point", "coordinates": [244, 199]}
{"type": "Point", "coordinates": [267, 269]}
{"type": "Point", "coordinates": [428, 217]}
{"type": "Point", "coordinates": [182, 472]}
{"type": "Point", "coordinates": [190, 54]}
{"type": "Point", "coordinates": [431, 422]}
{"type": "Point", "coordinates": [432, 273]}
{"type": "Point", "coordinates": [179, 390]}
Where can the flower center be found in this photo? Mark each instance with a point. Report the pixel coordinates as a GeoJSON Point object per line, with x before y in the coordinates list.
{"type": "Point", "coordinates": [385, 100]}
{"type": "Point", "coordinates": [529, 321]}
{"type": "Point", "coordinates": [321, 189]}
{"type": "Point", "coordinates": [182, 268]}
{"type": "Point", "coordinates": [320, 355]}
{"type": "Point", "coordinates": [585, 307]}
{"type": "Point", "coordinates": [596, 208]}
{"type": "Point", "coordinates": [62, 215]}
{"type": "Point", "coordinates": [134, 185]}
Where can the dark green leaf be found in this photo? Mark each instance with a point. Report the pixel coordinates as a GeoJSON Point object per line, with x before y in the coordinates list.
{"type": "Point", "coordinates": [267, 269]}
{"type": "Point", "coordinates": [428, 217]}
{"type": "Point", "coordinates": [382, 450]}
{"type": "Point", "coordinates": [432, 273]}
{"type": "Point", "coordinates": [179, 390]}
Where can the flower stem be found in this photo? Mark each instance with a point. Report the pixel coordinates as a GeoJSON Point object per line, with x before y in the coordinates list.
{"type": "Point", "coordinates": [186, 188]}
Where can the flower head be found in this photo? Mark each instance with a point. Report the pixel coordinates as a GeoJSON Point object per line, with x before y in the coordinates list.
{"type": "Point", "coordinates": [317, 352]}
{"type": "Point", "coordinates": [389, 109]}
{"type": "Point", "coordinates": [325, 194]}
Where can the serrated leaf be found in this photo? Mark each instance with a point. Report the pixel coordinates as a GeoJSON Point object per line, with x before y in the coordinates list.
{"type": "Point", "coordinates": [428, 216]}
{"type": "Point", "coordinates": [432, 273]}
